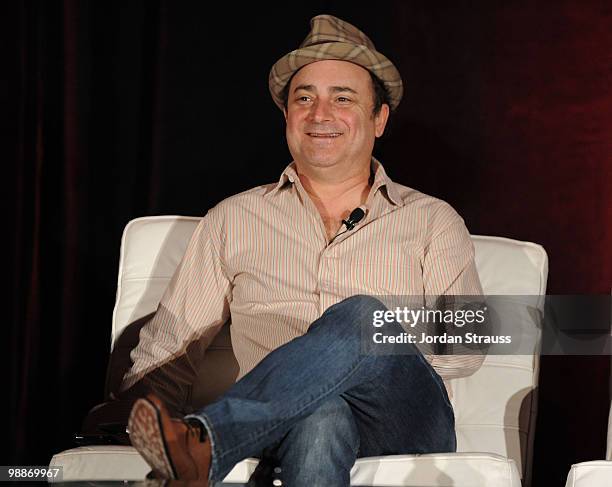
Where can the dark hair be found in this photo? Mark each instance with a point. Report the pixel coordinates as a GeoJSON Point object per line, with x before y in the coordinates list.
{"type": "Point", "coordinates": [381, 94]}
{"type": "Point", "coordinates": [379, 90]}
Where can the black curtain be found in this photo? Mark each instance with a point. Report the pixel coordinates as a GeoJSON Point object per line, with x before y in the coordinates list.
{"type": "Point", "coordinates": [113, 110]}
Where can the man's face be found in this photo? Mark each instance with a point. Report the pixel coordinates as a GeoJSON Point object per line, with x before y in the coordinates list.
{"type": "Point", "coordinates": [329, 115]}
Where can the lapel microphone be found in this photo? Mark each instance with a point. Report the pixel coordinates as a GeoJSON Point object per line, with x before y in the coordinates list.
{"type": "Point", "coordinates": [354, 218]}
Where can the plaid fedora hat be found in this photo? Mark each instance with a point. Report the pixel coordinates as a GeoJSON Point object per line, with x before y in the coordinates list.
{"type": "Point", "coordinates": [333, 38]}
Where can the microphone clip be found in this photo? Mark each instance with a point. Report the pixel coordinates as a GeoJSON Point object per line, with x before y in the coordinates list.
{"type": "Point", "coordinates": [355, 217]}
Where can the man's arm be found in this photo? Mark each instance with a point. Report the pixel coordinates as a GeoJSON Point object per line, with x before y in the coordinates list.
{"type": "Point", "coordinates": [194, 307]}
{"type": "Point", "coordinates": [449, 270]}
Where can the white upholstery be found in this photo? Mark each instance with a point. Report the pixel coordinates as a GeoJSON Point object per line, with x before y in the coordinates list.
{"type": "Point", "coordinates": [495, 408]}
{"type": "Point", "coordinates": [151, 249]}
{"type": "Point", "coordinates": [590, 474]}
{"type": "Point", "coordinates": [609, 448]}
{"type": "Point", "coordinates": [104, 462]}
{"type": "Point", "coordinates": [596, 473]}
{"type": "Point", "coordinates": [114, 463]}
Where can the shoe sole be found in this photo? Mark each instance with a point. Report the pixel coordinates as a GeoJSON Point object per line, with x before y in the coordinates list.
{"type": "Point", "coordinates": [147, 436]}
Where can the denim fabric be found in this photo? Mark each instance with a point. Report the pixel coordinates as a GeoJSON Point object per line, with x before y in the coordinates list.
{"type": "Point", "coordinates": [317, 403]}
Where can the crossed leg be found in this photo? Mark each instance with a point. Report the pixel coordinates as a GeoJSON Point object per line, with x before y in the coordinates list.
{"type": "Point", "coordinates": [322, 400]}
{"type": "Point", "coordinates": [397, 403]}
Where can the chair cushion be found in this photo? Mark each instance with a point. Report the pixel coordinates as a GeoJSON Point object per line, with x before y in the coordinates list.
{"type": "Point", "coordinates": [440, 470]}
{"type": "Point", "coordinates": [590, 474]}
{"type": "Point", "coordinates": [104, 462]}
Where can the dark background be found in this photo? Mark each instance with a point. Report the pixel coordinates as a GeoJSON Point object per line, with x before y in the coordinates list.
{"type": "Point", "coordinates": [115, 110]}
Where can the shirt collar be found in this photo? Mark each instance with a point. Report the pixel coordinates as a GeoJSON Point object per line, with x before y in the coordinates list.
{"type": "Point", "coordinates": [381, 180]}
{"type": "Point", "coordinates": [288, 177]}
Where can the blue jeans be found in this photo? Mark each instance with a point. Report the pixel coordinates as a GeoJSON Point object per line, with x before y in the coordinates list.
{"type": "Point", "coordinates": [318, 403]}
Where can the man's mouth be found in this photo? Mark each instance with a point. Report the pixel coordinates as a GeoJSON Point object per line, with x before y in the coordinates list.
{"type": "Point", "coordinates": [329, 135]}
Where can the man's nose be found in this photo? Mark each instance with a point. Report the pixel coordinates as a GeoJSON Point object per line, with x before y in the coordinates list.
{"type": "Point", "coordinates": [321, 111]}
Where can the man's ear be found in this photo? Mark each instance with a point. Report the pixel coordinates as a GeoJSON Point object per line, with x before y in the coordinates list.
{"type": "Point", "coordinates": [285, 113]}
{"type": "Point", "coordinates": [380, 120]}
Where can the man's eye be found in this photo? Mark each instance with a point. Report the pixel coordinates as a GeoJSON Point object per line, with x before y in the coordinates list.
{"type": "Point", "coordinates": [303, 98]}
{"type": "Point", "coordinates": [343, 99]}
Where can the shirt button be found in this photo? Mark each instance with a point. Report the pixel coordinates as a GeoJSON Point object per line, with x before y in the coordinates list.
{"type": "Point", "coordinates": [291, 180]}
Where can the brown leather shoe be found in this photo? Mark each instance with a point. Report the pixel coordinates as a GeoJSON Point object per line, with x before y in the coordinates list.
{"type": "Point", "coordinates": [174, 448]}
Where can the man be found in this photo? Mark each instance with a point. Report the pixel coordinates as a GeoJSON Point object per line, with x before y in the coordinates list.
{"type": "Point", "coordinates": [295, 269]}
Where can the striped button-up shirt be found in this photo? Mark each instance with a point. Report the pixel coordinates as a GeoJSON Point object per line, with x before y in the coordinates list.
{"type": "Point", "coordinates": [262, 259]}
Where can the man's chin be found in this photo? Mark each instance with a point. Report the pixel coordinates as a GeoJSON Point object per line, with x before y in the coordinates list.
{"type": "Point", "coordinates": [321, 158]}
{"type": "Point", "coordinates": [320, 162]}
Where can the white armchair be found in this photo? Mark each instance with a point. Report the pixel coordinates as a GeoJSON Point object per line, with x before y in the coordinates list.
{"type": "Point", "coordinates": [495, 408]}
{"type": "Point", "coordinates": [596, 473]}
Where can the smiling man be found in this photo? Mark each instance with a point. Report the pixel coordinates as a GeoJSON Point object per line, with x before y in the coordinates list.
{"type": "Point", "coordinates": [295, 266]}
{"type": "Point", "coordinates": [332, 122]}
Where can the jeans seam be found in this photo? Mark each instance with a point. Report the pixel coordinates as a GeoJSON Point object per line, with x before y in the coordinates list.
{"type": "Point", "coordinates": [437, 379]}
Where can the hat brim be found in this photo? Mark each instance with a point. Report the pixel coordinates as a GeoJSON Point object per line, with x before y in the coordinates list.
{"type": "Point", "coordinates": [361, 55]}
